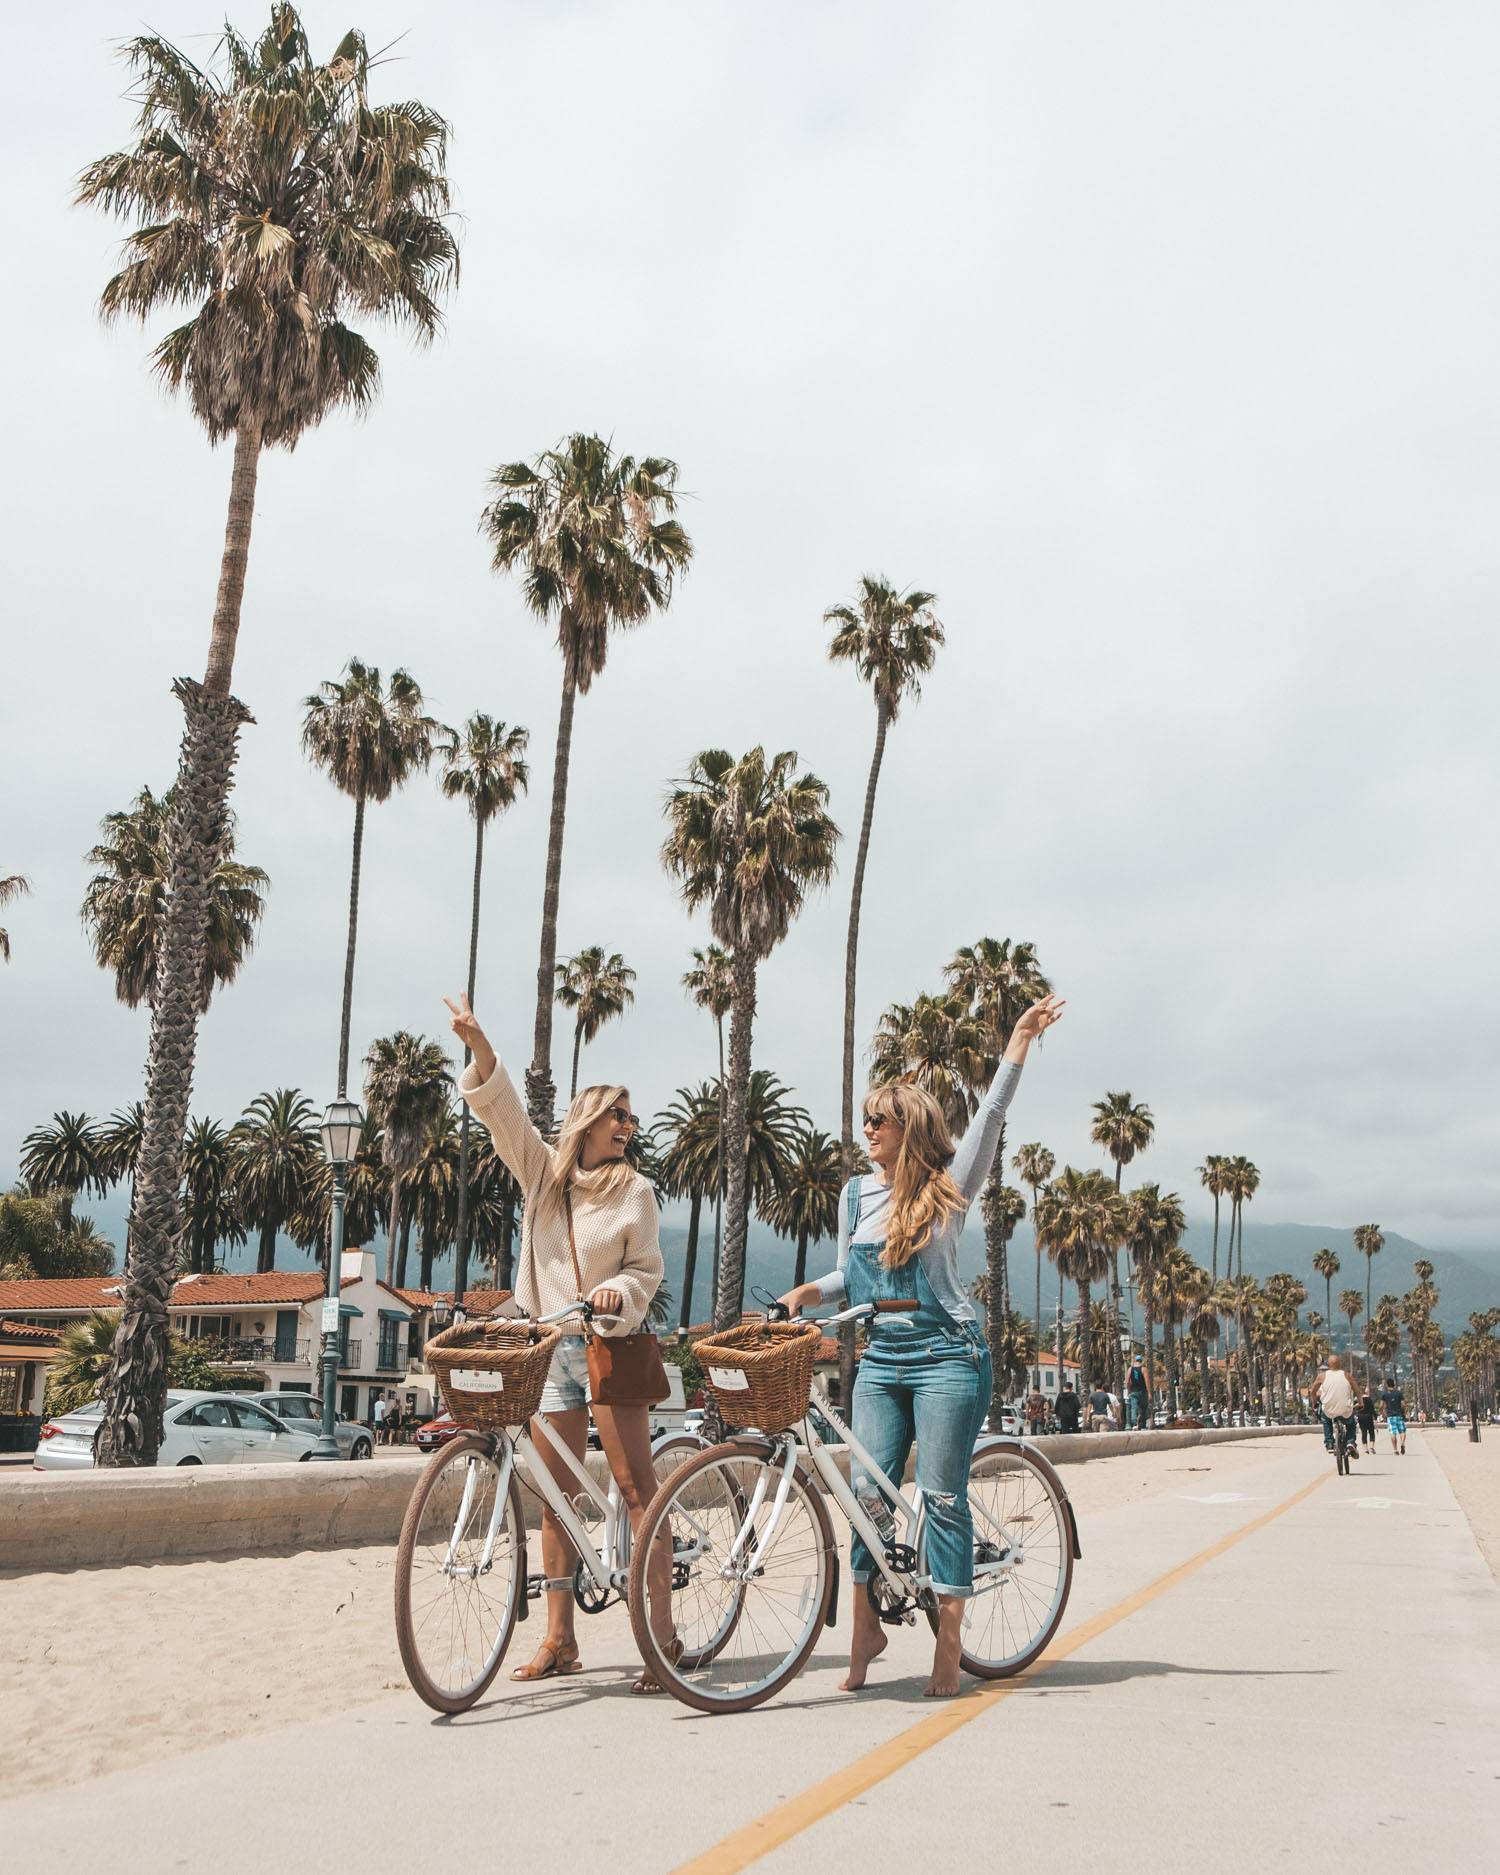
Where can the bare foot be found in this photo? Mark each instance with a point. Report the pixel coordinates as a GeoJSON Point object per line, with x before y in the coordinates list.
{"type": "Point", "coordinates": [859, 1664]}
{"type": "Point", "coordinates": [944, 1683]}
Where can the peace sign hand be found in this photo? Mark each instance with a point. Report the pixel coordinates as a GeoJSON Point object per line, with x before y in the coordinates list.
{"type": "Point", "coordinates": [1040, 1016]}
{"type": "Point", "coordinates": [466, 1027]}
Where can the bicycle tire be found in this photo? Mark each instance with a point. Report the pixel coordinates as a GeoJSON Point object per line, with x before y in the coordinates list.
{"type": "Point", "coordinates": [673, 1675]}
{"type": "Point", "coordinates": [984, 1667]}
{"type": "Point", "coordinates": [410, 1623]}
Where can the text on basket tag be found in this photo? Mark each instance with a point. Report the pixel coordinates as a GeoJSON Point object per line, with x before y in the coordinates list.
{"type": "Point", "coordinates": [477, 1379]}
{"type": "Point", "coordinates": [730, 1379]}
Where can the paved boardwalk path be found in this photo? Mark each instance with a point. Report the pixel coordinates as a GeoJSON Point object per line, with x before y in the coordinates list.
{"type": "Point", "coordinates": [1282, 1667]}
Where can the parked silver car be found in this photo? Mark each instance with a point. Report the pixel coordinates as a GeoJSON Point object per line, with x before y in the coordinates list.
{"type": "Point", "coordinates": [200, 1429]}
{"type": "Point", "coordinates": [305, 1414]}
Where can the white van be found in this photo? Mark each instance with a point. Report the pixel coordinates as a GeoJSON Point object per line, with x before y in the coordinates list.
{"type": "Point", "coordinates": [669, 1416]}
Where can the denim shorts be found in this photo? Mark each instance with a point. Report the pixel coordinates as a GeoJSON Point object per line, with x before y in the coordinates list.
{"type": "Point", "coordinates": [567, 1385]}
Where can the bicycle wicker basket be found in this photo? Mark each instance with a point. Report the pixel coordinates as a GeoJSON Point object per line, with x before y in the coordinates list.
{"type": "Point", "coordinates": [760, 1374]}
{"type": "Point", "coordinates": [492, 1373]}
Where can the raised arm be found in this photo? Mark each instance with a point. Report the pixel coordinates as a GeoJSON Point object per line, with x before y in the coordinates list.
{"type": "Point", "coordinates": [492, 1095]}
{"type": "Point", "coordinates": [976, 1150]}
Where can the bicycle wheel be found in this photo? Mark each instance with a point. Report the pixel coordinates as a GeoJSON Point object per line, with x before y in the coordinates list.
{"type": "Point", "coordinates": [458, 1574]}
{"type": "Point", "coordinates": [750, 1583]}
{"type": "Point", "coordinates": [1023, 1560]}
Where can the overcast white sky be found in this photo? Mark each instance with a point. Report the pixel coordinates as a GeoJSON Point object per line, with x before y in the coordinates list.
{"type": "Point", "coordinates": [1158, 340]}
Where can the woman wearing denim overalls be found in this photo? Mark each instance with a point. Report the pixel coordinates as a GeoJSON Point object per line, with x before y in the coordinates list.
{"type": "Point", "coordinates": [925, 1374]}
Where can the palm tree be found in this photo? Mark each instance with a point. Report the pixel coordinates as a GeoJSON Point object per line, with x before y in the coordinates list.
{"type": "Point", "coordinates": [595, 537]}
{"type": "Point", "coordinates": [686, 1137]}
{"type": "Point", "coordinates": [807, 1204]}
{"type": "Point", "coordinates": [1155, 1223]}
{"type": "Point", "coordinates": [1326, 1263]}
{"type": "Point", "coordinates": [1175, 1288]}
{"type": "Point", "coordinates": [120, 1149]}
{"type": "Point", "coordinates": [1001, 1207]}
{"type": "Point", "coordinates": [431, 1191]}
{"type": "Point", "coordinates": [36, 1242]}
{"type": "Point", "coordinates": [484, 766]}
{"type": "Point", "coordinates": [597, 989]}
{"type": "Point", "coordinates": [406, 1086]}
{"type": "Point", "coordinates": [999, 981]}
{"type": "Point", "coordinates": [1212, 1173]}
{"type": "Point", "coordinates": [1352, 1304]}
{"type": "Point", "coordinates": [210, 1198]}
{"type": "Point", "coordinates": [1285, 1295]}
{"type": "Point", "coordinates": [369, 740]}
{"type": "Point", "coordinates": [125, 903]}
{"type": "Point", "coordinates": [1382, 1329]}
{"type": "Point", "coordinates": [276, 1153]}
{"type": "Point", "coordinates": [1013, 1345]}
{"type": "Point", "coordinates": [891, 639]}
{"type": "Point", "coordinates": [64, 1158]}
{"type": "Point", "coordinates": [1035, 1164]}
{"type": "Point", "coordinates": [496, 1200]}
{"type": "Point", "coordinates": [12, 886]}
{"type": "Point", "coordinates": [366, 1189]}
{"type": "Point", "coordinates": [1123, 1128]}
{"type": "Point", "coordinates": [748, 838]}
{"type": "Point", "coordinates": [1081, 1220]}
{"type": "Point", "coordinates": [272, 194]}
{"type": "Point", "coordinates": [710, 983]}
{"type": "Point", "coordinates": [938, 1043]}
{"type": "Point", "coordinates": [1241, 1182]}
{"type": "Point", "coordinates": [1369, 1242]}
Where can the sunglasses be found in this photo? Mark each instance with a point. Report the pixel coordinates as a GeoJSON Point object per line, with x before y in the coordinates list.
{"type": "Point", "coordinates": [622, 1116]}
{"type": "Point", "coordinates": [874, 1121]}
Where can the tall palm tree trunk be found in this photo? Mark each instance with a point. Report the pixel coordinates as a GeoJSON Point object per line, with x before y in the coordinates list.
{"type": "Point", "coordinates": [393, 1232]}
{"type": "Point", "coordinates": [851, 948]}
{"type": "Point", "coordinates": [799, 1274]}
{"type": "Point", "coordinates": [1215, 1272]}
{"type": "Point", "coordinates": [1059, 1329]}
{"type": "Point", "coordinates": [403, 1249]}
{"type": "Point", "coordinates": [1117, 1361]}
{"type": "Point", "coordinates": [1369, 1271]}
{"type": "Point", "coordinates": [135, 1391]}
{"type": "Point", "coordinates": [1085, 1351]}
{"type": "Point", "coordinates": [1038, 1310]}
{"type": "Point", "coordinates": [1171, 1352]}
{"type": "Point", "coordinates": [265, 1257]}
{"type": "Point", "coordinates": [690, 1264]}
{"type": "Point", "coordinates": [1148, 1311]}
{"type": "Point", "coordinates": [505, 1254]}
{"type": "Point", "coordinates": [731, 1291]}
{"type": "Point", "coordinates": [355, 863]}
{"type": "Point", "coordinates": [719, 1169]}
{"type": "Point", "coordinates": [997, 1296]}
{"type": "Point", "coordinates": [541, 1091]}
{"type": "Point", "coordinates": [577, 1051]}
{"type": "Point", "coordinates": [461, 1254]}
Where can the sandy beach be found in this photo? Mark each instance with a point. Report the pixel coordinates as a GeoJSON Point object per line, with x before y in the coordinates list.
{"type": "Point", "coordinates": [111, 1667]}
{"type": "Point", "coordinates": [1474, 1473]}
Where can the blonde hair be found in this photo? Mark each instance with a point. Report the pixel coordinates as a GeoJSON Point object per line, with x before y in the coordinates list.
{"type": "Point", "coordinates": [590, 1104]}
{"type": "Point", "coordinates": [923, 1196]}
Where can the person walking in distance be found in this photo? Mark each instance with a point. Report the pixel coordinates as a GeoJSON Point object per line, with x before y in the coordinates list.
{"type": "Point", "coordinates": [1099, 1419]}
{"type": "Point", "coordinates": [381, 1411]}
{"type": "Point", "coordinates": [592, 1230]}
{"type": "Point", "coordinates": [1069, 1408]}
{"type": "Point", "coordinates": [1394, 1402]}
{"type": "Point", "coordinates": [1137, 1398]}
{"type": "Point", "coordinates": [1364, 1413]}
{"type": "Point", "coordinates": [926, 1372]}
{"type": "Point", "coordinates": [1335, 1401]}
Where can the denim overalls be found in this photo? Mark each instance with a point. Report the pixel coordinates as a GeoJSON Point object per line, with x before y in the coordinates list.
{"type": "Point", "coordinates": [923, 1376]}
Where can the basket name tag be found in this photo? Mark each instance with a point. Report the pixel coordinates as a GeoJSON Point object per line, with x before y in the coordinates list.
{"type": "Point", "coordinates": [476, 1379]}
{"type": "Point", "coordinates": [730, 1379]}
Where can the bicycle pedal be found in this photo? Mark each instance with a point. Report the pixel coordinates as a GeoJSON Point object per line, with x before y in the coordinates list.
{"type": "Point", "coordinates": [902, 1556]}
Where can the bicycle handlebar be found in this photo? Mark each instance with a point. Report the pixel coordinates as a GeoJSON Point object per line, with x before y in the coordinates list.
{"type": "Point", "coordinates": [580, 1307]}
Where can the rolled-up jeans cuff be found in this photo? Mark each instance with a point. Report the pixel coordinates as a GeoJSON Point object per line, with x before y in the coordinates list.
{"type": "Point", "coordinates": [860, 1576]}
{"type": "Point", "coordinates": [963, 1595]}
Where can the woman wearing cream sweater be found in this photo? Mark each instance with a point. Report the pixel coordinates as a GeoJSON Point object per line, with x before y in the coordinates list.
{"type": "Point", "coordinates": [619, 1258]}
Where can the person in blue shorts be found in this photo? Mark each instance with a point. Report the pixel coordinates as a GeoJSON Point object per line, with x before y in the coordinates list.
{"type": "Point", "coordinates": [1394, 1402]}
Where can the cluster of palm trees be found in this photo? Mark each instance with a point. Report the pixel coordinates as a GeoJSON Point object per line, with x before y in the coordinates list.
{"type": "Point", "coordinates": [275, 200]}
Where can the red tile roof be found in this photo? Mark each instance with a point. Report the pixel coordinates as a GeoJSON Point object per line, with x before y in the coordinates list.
{"type": "Point", "coordinates": [103, 1292]}
{"type": "Point", "coordinates": [476, 1301]}
{"type": "Point", "coordinates": [28, 1331]}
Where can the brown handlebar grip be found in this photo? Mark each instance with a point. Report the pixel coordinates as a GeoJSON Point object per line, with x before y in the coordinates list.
{"type": "Point", "coordinates": [895, 1305]}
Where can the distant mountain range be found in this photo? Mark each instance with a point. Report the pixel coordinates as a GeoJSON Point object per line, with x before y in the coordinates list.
{"type": "Point", "coordinates": [1466, 1281]}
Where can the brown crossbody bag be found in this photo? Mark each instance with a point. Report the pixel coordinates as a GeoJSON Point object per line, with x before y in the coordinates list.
{"type": "Point", "coordinates": [624, 1370]}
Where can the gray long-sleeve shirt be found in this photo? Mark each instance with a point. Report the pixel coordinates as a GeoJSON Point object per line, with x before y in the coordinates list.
{"type": "Point", "coordinates": [970, 1168]}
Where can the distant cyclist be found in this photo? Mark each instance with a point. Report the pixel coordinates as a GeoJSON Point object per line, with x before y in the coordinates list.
{"type": "Point", "coordinates": [1394, 1402]}
{"type": "Point", "coordinates": [1334, 1399]}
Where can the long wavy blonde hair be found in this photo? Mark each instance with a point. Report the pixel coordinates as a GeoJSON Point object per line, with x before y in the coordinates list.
{"type": "Point", "coordinates": [590, 1104]}
{"type": "Point", "coordinates": [923, 1196]}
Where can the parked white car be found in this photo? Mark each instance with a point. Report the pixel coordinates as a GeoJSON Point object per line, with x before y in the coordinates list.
{"type": "Point", "coordinates": [201, 1429]}
{"type": "Point", "coordinates": [305, 1414]}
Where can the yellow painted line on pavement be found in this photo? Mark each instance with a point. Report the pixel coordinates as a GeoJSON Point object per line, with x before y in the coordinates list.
{"type": "Point", "coordinates": [810, 1806]}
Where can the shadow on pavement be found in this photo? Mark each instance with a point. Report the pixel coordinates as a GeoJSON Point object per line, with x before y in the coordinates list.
{"type": "Point", "coordinates": [1070, 1673]}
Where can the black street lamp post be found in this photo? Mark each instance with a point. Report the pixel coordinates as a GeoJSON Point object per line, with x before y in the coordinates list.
{"type": "Point", "coordinates": [340, 1134]}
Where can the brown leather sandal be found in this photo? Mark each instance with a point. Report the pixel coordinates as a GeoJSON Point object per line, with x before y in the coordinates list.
{"type": "Point", "coordinates": [552, 1657]}
{"type": "Point", "coordinates": [645, 1681]}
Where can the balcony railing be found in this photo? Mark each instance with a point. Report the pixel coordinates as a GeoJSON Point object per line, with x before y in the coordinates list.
{"type": "Point", "coordinates": [391, 1359]}
{"type": "Point", "coordinates": [252, 1350]}
{"type": "Point", "coordinates": [351, 1354]}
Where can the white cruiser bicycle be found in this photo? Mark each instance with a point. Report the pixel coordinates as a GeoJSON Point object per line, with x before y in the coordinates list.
{"type": "Point", "coordinates": [755, 1564]}
{"type": "Point", "coordinates": [462, 1577]}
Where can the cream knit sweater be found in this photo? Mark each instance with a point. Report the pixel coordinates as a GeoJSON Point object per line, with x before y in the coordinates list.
{"type": "Point", "coordinates": [617, 1233]}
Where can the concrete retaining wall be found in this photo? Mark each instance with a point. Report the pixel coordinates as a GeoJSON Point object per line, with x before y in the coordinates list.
{"type": "Point", "coordinates": [64, 1521]}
